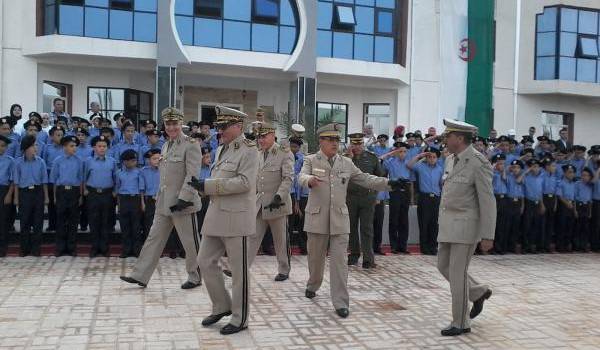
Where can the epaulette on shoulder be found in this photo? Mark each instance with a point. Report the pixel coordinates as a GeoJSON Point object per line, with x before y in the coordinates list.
{"type": "Point", "coordinates": [284, 148]}
{"type": "Point", "coordinates": [481, 158]}
{"type": "Point", "coordinates": [369, 152]}
{"type": "Point", "coordinates": [249, 143]}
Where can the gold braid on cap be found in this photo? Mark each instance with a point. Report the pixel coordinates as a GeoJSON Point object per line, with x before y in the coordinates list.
{"type": "Point", "coordinates": [171, 113]}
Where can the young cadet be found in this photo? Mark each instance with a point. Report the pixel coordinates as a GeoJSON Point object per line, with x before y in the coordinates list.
{"type": "Point", "coordinates": [395, 163]}
{"type": "Point", "coordinates": [299, 195]}
{"type": "Point", "coordinates": [146, 126]}
{"type": "Point", "coordinates": [578, 160]}
{"type": "Point", "coordinates": [33, 128]}
{"type": "Point", "coordinates": [84, 151]}
{"type": "Point", "coordinates": [515, 204]}
{"type": "Point", "coordinates": [429, 175]}
{"type": "Point", "coordinates": [94, 130]}
{"type": "Point", "coordinates": [566, 209]}
{"type": "Point", "coordinates": [6, 191]}
{"type": "Point", "coordinates": [31, 194]}
{"type": "Point", "coordinates": [154, 140]}
{"type": "Point", "coordinates": [41, 136]}
{"type": "Point", "coordinates": [500, 192]}
{"type": "Point", "coordinates": [130, 191]}
{"type": "Point", "coordinates": [52, 150]}
{"type": "Point", "coordinates": [595, 235]}
{"type": "Point", "coordinates": [15, 140]}
{"type": "Point", "coordinates": [550, 202]}
{"type": "Point", "coordinates": [533, 217]}
{"type": "Point", "coordinates": [109, 134]}
{"type": "Point", "coordinates": [100, 173]}
{"type": "Point", "coordinates": [204, 174]}
{"type": "Point", "coordinates": [67, 177]}
{"type": "Point", "coordinates": [128, 142]}
{"type": "Point", "coordinates": [151, 178]}
{"type": "Point", "coordinates": [583, 198]}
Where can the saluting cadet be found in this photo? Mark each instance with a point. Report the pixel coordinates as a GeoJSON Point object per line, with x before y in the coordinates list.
{"type": "Point", "coordinates": [533, 216]}
{"type": "Point", "coordinates": [299, 195]}
{"type": "Point", "coordinates": [151, 179]}
{"type": "Point", "coordinates": [381, 147]}
{"type": "Point", "coordinates": [500, 187]}
{"type": "Point", "coordinates": [516, 194]}
{"type": "Point", "coordinates": [429, 176]}
{"type": "Point", "coordinates": [395, 163]}
{"type": "Point", "coordinates": [6, 191]}
{"type": "Point", "coordinates": [67, 177]}
{"type": "Point", "coordinates": [52, 151]}
{"type": "Point", "coordinates": [595, 238]}
{"type": "Point", "coordinates": [154, 141]}
{"type": "Point", "coordinates": [128, 142]}
{"type": "Point", "coordinates": [584, 189]}
{"type": "Point", "coordinates": [327, 222]}
{"type": "Point", "coordinates": [100, 173]}
{"type": "Point", "coordinates": [130, 195]}
{"type": "Point", "coordinates": [30, 177]}
{"type": "Point", "coordinates": [566, 209]}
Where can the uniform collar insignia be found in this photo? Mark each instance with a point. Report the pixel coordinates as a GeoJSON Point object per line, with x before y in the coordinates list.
{"type": "Point", "coordinates": [236, 145]}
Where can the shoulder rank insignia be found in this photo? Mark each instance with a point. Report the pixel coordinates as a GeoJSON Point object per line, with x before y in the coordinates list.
{"type": "Point", "coordinates": [249, 143]}
{"type": "Point", "coordinates": [192, 140]}
{"type": "Point", "coordinates": [236, 145]}
{"type": "Point", "coordinates": [283, 148]}
{"type": "Point", "coordinates": [274, 151]}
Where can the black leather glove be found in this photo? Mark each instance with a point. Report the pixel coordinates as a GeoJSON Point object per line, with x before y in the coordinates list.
{"type": "Point", "coordinates": [197, 184]}
{"type": "Point", "coordinates": [396, 184]}
{"type": "Point", "coordinates": [181, 205]}
{"type": "Point", "coordinates": [275, 204]}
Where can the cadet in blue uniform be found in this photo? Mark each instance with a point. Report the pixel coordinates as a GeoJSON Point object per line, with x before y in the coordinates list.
{"type": "Point", "coordinates": [429, 175]}
{"type": "Point", "coordinates": [128, 143]}
{"type": "Point", "coordinates": [381, 147]}
{"type": "Point", "coordinates": [584, 189]}
{"type": "Point", "coordinates": [52, 151]}
{"type": "Point", "coordinates": [151, 179]}
{"type": "Point", "coordinates": [100, 173]}
{"type": "Point", "coordinates": [130, 191]}
{"type": "Point", "coordinates": [578, 160]}
{"type": "Point", "coordinates": [6, 191]}
{"type": "Point", "coordinates": [566, 209]}
{"type": "Point", "coordinates": [204, 174]}
{"type": "Point", "coordinates": [84, 151]}
{"type": "Point", "coordinates": [550, 202]}
{"type": "Point", "coordinates": [6, 131]}
{"type": "Point", "coordinates": [67, 177]}
{"type": "Point", "coordinates": [154, 140]}
{"type": "Point", "coordinates": [33, 128]}
{"type": "Point", "coordinates": [30, 177]}
{"type": "Point", "coordinates": [533, 217]}
{"type": "Point", "coordinates": [515, 204]}
{"type": "Point", "coordinates": [595, 238]}
{"type": "Point", "coordinates": [299, 196]}
{"type": "Point", "coordinates": [41, 135]}
{"type": "Point", "coordinates": [502, 203]}
{"type": "Point", "coordinates": [395, 163]}
{"type": "Point", "coordinates": [146, 127]}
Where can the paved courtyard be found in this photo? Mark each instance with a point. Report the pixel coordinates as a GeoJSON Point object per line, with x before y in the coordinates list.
{"type": "Point", "coordinates": [539, 302]}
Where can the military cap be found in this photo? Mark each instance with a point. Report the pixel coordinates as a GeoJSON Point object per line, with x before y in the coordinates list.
{"type": "Point", "coordinates": [265, 128]}
{"type": "Point", "coordinates": [546, 161]}
{"type": "Point", "coordinates": [5, 139]}
{"type": "Point", "coordinates": [259, 110]}
{"type": "Point", "coordinates": [594, 152]}
{"type": "Point", "coordinates": [27, 142]}
{"type": "Point", "coordinates": [248, 135]}
{"type": "Point", "coordinates": [55, 129]}
{"type": "Point", "coordinates": [35, 115]}
{"type": "Point", "coordinates": [518, 162]}
{"type": "Point", "coordinates": [206, 149]}
{"type": "Point", "coordinates": [145, 123]}
{"type": "Point", "coordinates": [69, 138]}
{"type": "Point", "coordinates": [96, 116]}
{"type": "Point", "coordinates": [108, 130]}
{"type": "Point", "coordinates": [198, 135]}
{"type": "Point", "coordinates": [418, 136]}
{"type": "Point", "coordinates": [100, 138]}
{"type": "Point", "coordinates": [118, 116]}
{"type": "Point", "coordinates": [480, 139]}
{"type": "Point", "coordinates": [298, 128]}
{"type": "Point", "coordinates": [563, 151]}
{"type": "Point", "coordinates": [458, 126]}
{"type": "Point", "coordinates": [171, 114]}
{"type": "Point", "coordinates": [410, 135]}
{"type": "Point", "coordinates": [296, 140]}
{"type": "Point", "coordinates": [77, 119]}
{"type": "Point", "coordinates": [399, 144]}
{"type": "Point", "coordinates": [543, 138]}
{"type": "Point", "coordinates": [492, 139]}
{"type": "Point", "coordinates": [62, 119]}
{"type": "Point", "coordinates": [82, 131]}
{"type": "Point", "coordinates": [84, 122]}
{"type": "Point", "coordinates": [533, 161]}
{"type": "Point", "coordinates": [588, 170]}
{"type": "Point", "coordinates": [527, 150]}
{"type": "Point", "coordinates": [526, 139]}
{"type": "Point", "coordinates": [29, 123]}
{"type": "Point", "coordinates": [128, 155]}
{"type": "Point", "coordinates": [595, 147]}
{"type": "Point", "coordinates": [568, 167]}
{"type": "Point", "coordinates": [503, 138]}
{"type": "Point", "coordinates": [497, 157]}
{"type": "Point", "coordinates": [433, 150]}
{"type": "Point", "coordinates": [329, 130]}
{"type": "Point", "coordinates": [228, 116]}
{"type": "Point", "coordinates": [126, 124]}
{"type": "Point", "coordinates": [383, 136]}
{"type": "Point", "coordinates": [579, 148]}
{"type": "Point", "coordinates": [149, 153]}
{"type": "Point", "coordinates": [513, 141]}
{"type": "Point", "coordinates": [204, 122]}
{"type": "Point", "coordinates": [6, 120]}
{"type": "Point", "coordinates": [356, 138]}
{"type": "Point", "coordinates": [547, 155]}
{"type": "Point", "coordinates": [153, 132]}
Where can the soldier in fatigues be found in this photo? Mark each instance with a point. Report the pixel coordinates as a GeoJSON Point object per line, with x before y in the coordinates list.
{"type": "Point", "coordinates": [229, 221]}
{"type": "Point", "coordinates": [273, 200]}
{"type": "Point", "coordinates": [467, 215]}
{"type": "Point", "coordinates": [361, 203]}
{"type": "Point", "coordinates": [327, 218]}
{"type": "Point", "coordinates": [176, 204]}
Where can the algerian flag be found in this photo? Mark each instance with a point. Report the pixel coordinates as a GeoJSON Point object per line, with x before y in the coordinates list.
{"type": "Point", "coordinates": [467, 49]}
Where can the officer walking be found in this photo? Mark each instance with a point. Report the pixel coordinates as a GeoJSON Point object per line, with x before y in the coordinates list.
{"type": "Point", "coordinates": [232, 191]}
{"type": "Point", "coordinates": [176, 204]}
{"type": "Point", "coordinates": [467, 215]}
{"type": "Point", "coordinates": [327, 217]}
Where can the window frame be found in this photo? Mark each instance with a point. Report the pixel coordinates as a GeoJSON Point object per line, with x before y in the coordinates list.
{"type": "Point", "coordinates": [257, 18]}
{"type": "Point", "coordinates": [376, 29]}
{"type": "Point", "coordinates": [68, 98]}
{"type": "Point", "coordinates": [579, 49]}
{"type": "Point", "coordinates": [119, 5]}
{"type": "Point", "coordinates": [127, 93]}
{"type": "Point", "coordinates": [337, 25]}
{"type": "Point", "coordinates": [197, 13]}
{"type": "Point", "coordinates": [316, 126]}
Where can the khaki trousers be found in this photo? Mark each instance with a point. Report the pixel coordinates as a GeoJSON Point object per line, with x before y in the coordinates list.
{"type": "Point", "coordinates": [280, 241]}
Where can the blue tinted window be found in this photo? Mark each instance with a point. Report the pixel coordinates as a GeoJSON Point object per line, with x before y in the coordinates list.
{"type": "Point", "coordinates": [588, 22]}
{"type": "Point", "coordinates": [74, 24]}
{"type": "Point", "coordinates": [366, 2]}
{"type": "Point", "coordinates": [324, 43]}
{"type": "Point", "coordinates": [185, 28]}
{"type": "Point", "coordinates": [546, 22]}
{"type": "Point", "coordinates": [598, 71]}
{"type": "Point", "coordinates": [236, 35]}
{"type": "Point", "coordinates": [145, 5]}
{"type": "Point", "coordinates": [121, 24]}
{"type": "Point", "coordinates": [264, 38]}
{"type": "Point", "coordinates": [390, 4]}
{"type": "Point", "coordinates": [144, 27]}
{"type": "Point", "coordinates": [546, 44]}
{"type": "Point", "coordinates": [342, 45]}
{"type": "Point", "coordinates": [184, 7]}
{"type": "Point", "coordinates": [324, 15]}
{"type": "Point", "coordinates": [385, 22]}
{"type": "Point", "coordinates": [568, 44]}
{"type": "Point", "coordinates": [566, 69]}
{"type": "Point", "coordinates": [99, 3]}
{"type": "Point", "coordinates": [363, 47]}
{"type": "Point", "coordinates": [345, 1]}
{"type": "Point", "coordinates": [364, 20]}
{"type": "Point", "coordinates": [568, 20]}
{"type": "Point", "coordinates": [207, 32]}
{"type": "Point", "coordinates": [588, 47]}
{"type": "Point", "coordinates": [266, 8]}
{"type": "Point", "coordinates": [287, 39]}
{"type": "Point", "coordinates": [544, 68]}
{"type": "Point", "coordinates": [287, 13]}
{"type": "Point", "coordinates": [345, 15]}
{"type": "Point", "coordinates": [96, 22]}
{"type": "Point", "coordinates": [121, 4]}
{"type": "Point", "coordinates": [237, 9]}
{"type": "Point", "coordinates": [586, 70]}
{"type": "Point", "coordinates": [209, 8]}
{"type": "Point", "coordinates": [384, 49]}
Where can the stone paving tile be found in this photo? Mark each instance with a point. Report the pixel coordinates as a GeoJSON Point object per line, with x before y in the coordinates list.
{"type": "Point", "coordinates": [539, 302]}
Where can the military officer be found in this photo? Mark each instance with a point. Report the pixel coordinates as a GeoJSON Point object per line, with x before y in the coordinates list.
{"type": "Point", "coordinates": [273, 200]}
{"type": "Point", "coordinates": [232, 191]}
{"type": "Point", "coordinates": [176, 204]}
{"type": "Point", "coordinates": [467, 215]}
{"type": "Point", "coordinates": [327, 220]}
{"type": "Point", "coordinates": [361, 203]}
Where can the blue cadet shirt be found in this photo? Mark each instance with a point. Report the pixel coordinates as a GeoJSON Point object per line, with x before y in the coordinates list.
{"type": "Point", "coordinates": [130, 181]}
{"type": "Point", "coordinates": [429, 177]}
{"type": "Point", "coordinates": [51, 152]}
{"type": "Point", "coordinates": [204, 172]}
{"type": "Point", "coordinates": [67, 171]}
{"type": "Point", "coordinates": [579, 164]}
{"type": "Point", "coordinates": [298, 190]}
{"type": "Point", "coordinates": [566, 189]}
{"type": "Point", "coordinates": [84, 151]}
{"type": "Point", "coordinates": [12, 149]}
{"type": "Point", "coordinates": [146, 148]}
{"type": "Point", "coordinates": [515, 189]}
{"type": "Point", "coordinates": [550, 183]}
{"type": "Point", "coordinates": [583, 192]}
{"type": "Point", "coordinates": [596, 194]}
{"type": "Point", "coordinates": [397, 168]}
{"type": "Point", "coordinates": [7, 164]}
{"type": "Point", "coordinates": [499, 184]}
{"type": "Point", "coordinates": [151, 180]}
{"type": "Point", "coordinates": [118, 150]}
{"type": "Point", "coordinates": [100, 172]}
{"type": "Point", "coordinates": [380, 150]}
{"type": "Point", "coordinates": [534, 185]}
{"type": "Point", "coordinates": [28, 173]}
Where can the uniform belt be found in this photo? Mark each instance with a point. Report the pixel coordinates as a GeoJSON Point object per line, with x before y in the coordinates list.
{"type": "Point", "coordinates": [581, 204]}
{"type": "Point", "coordinates": [99, 190]}
{"type": "Point", "coordinates": [129, 195]}
{"type": "Point", "coordinates": [549, 195]}
{"type": "Point", "coordinates": [67, 188]}
{"type": "Point", "coordinates": [148, 197]}
{"type": "Point", "coordinates": [30, 188]}
{"type": "Point", "coordinates": [501, 196]}
{"type": "Point", "coordinates": [431, 195]}
{"type": "Point", "coordinates": [515, 199]}
{"type": "Point", "coordinates": [534, 202]}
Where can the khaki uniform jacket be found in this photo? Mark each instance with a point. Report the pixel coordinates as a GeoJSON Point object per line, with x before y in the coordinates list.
{"type": "Point", "coordinates": [326, 211]}
{"type": "Point", "coordinates": [275, 176]}
{"type": "Point", "coordinates": [177, 166]}
{"type": "Point", "coordinates": [232, 191]}
{"type": "Point", "coordinates": [468, 207]}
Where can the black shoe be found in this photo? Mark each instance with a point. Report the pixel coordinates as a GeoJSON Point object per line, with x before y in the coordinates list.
{"type": "Point", "coordinates": [343, 312]}
{"type": "Point", "coordinates": [227, 273]}
{"type": "Point", "coordinates": [281, 277]}
{"type": "Point", "coordinates": [172, 255]}
{"type": "Point", "coordinates": [212, 319]}
{"type": "Point", "coordinates": [123, 255]}
{"type": "Point", "coordinates": [310, 294]}
{"type": "Point", "coordinates": [190, 285]}
{"type": "Point", "coordinates": [453, 331]}
{"type": "Point", "coordinates": [73, 254]}
{"type": "Point", "coordinates": [132, 280]}
{"type": "Point", "coordinates": [478, 304]}
{"type": "Point", "coordinates": [352, 260]}
{"type": "Point", "coordinates": [368, 265]}
{"type": "Point", "coordinates": [93, 254]}
{"type": "Point", "coordinates": [231, 329]}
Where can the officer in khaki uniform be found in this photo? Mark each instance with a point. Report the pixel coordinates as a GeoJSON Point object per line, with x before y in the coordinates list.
{"type": "Point", "coordinates": [273, 200]}
{"type": "Point", "coordinates": [327, 219]}
{"type": "Point", "coordinates": [467, 215]}
{"type": "Point", "coordinates": [176, 204]}
{"type": "Point", "coordinates": [229, 220]}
